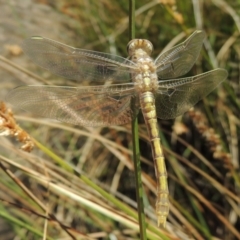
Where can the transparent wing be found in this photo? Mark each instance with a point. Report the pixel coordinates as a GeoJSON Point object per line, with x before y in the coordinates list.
{"type": "Point", "coordinates": [76, 64]}
{"type": "Point", "coordinates": [178, 60]}
{"type": "Point", "coordinates": [176, 96]}
{"type": "Point", "coordinates": [88, 106]}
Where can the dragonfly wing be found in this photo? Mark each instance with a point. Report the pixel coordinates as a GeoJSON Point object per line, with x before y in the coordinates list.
{"type": "Point", "coordinates": [178, 60]}
{"type": "Point", "coordinates": [76, 64]}
{"type": "Point", "coordinates": [89, 106]}
{"type": "Point", "coordinates": [176, 96]}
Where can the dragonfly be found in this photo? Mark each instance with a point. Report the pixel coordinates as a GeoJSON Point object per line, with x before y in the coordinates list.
{"type": "Point", "coordinates": [154, 84]}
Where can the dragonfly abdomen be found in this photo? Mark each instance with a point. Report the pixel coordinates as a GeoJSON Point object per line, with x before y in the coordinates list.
{"type": "Point", "coordinates": [147, 102]}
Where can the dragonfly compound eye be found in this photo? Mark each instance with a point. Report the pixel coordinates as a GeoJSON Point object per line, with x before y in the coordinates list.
{"type": "Point", "coordinates": [143, 44]}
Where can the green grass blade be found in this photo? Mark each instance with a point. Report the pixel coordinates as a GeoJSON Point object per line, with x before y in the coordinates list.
{"type": "Point", "coordinates": [135, 139]}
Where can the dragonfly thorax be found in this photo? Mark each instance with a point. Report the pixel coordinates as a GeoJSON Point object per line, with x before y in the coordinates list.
{"type": "Point", "coordinates": [146, 82]}
{"type": "Point", "coordinates": [145, 75]}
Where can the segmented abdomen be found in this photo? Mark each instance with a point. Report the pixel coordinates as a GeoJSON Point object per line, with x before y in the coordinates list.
{"type": "Point", "coordinates": [147, 102]}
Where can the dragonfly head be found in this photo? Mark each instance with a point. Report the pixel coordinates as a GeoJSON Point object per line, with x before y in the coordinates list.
{"type": "Point", "coordinates": [142, 44]}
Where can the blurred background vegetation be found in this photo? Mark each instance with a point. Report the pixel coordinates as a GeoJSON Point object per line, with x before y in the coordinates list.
{"type": "Point", "coordinates": [44, 200]}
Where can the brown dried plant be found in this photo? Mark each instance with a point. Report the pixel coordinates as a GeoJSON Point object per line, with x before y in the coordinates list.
{"type": "Point", "coordinates": [211, 137]}
{"type": "Point", "coordinates": [8, 127]}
